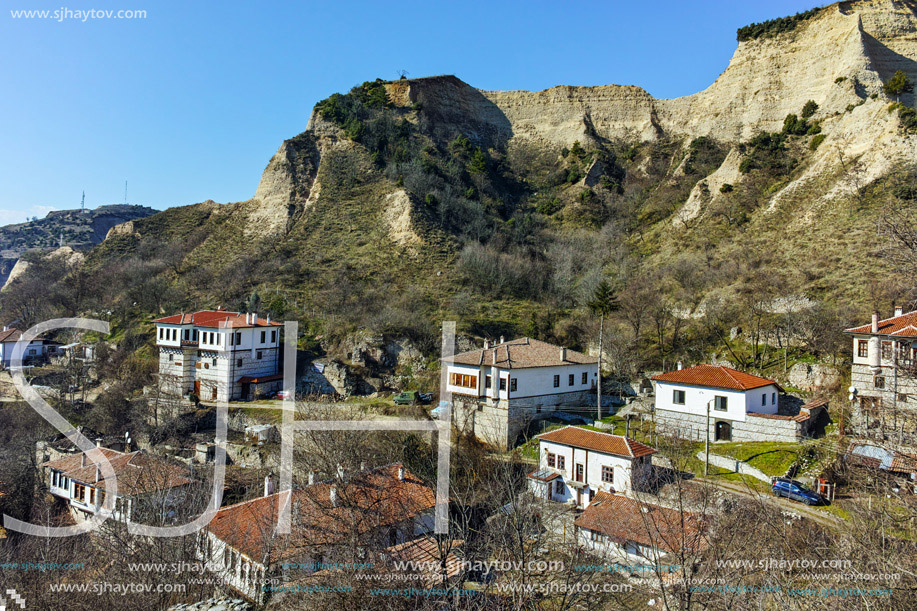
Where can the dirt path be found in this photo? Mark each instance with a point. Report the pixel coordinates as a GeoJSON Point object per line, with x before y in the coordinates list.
{"type": "Point", "coordinates": [816, 515]}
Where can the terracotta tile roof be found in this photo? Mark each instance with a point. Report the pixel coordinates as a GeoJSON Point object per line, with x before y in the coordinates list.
{"type": "Point", "coordinates": [800, 417]}
{"type": "Point", "coordinates": [260, 379]}
{"type": "Point", "coordinates": [215, 319]}
{"type": "Point", "coordinates": [904, 463]}
{"type": "Point", "coordinates": [10, 335]}
{"type": "Point", "coordinates": [715, 376]}
{"type": "Point", "coordinates": [13, 335]}
{"type": "Point", "coordinates": [877, 457]}
{"type": "Point", "coordinates": [523, 353]}
{"type": "Point", "coordinates": [543, 475]}
{"type": "Point", "coordinates": [425, 552]}
{"type": "Point", "coordinates": [600, 442]}
{"type": "Point", "coordinates": [137, 472]}
{"type": "Point", "coordinates": [899, 326]}
{"type": "Point", "coordinates": [368, 501]}
{"type": "Point", "coordinates": [625, 519]}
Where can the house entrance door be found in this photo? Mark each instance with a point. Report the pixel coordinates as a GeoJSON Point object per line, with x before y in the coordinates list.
{"type": "Point", "coordinates": [197, 388]}
{"type": "Point", "coordinates": [723, 431]}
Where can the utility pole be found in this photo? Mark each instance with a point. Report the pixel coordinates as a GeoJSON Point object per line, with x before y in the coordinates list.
{"type": "Point", "coordinates": [707, 441]}
{"type": "Point", "coordinates": [125, 192]}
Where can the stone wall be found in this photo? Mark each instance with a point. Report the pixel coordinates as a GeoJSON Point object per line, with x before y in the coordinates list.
{"type": "Point", "coordinates": [691, 426]}
{"type": "Point", "coordinates": [499, 423]}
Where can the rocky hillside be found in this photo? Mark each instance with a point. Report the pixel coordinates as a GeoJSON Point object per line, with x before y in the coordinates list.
{"type": "Point", "coordinates": [75, 228]}
{"type": "Point", "coordinates": [406, 201]}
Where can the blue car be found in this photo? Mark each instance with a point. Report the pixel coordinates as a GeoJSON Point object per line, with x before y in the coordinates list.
{"type": "Point", "coordinates": [792, 489]}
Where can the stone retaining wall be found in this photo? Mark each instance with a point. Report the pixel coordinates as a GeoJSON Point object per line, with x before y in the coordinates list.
{"type": "Point", "coordinates": [691, 426]}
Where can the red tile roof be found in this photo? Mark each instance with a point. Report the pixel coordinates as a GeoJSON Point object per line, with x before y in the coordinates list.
{"type": "Point", "coordinates": [427, 553]}
{"type": "Point", "coordinates": [137, 472]}
{"type": "Point", "coordinates": [260, 379]}
{"type": "Point", "coordinates": [215, 319]}
{"type": "Point", "coordinates": [715, 376]}
{"type": "Point", "coordinates": [600, 442]}
{"type": "Point", "coordinates": [898, 326]}
{"type": "Point", "coordinates": [543, 475]}
{"type": "Point", "coordinates": [13, 335]}
{"type": "Point", "coordinates": [625, 519]}
{"type": "Point", "coordinates": [10, 335]}
{"type": "Point", "coordinates": [800, 417]}
{"type": "Point", "coordinates": [523, 353]}
{"type": "Point", "coordinates": [368, 501]}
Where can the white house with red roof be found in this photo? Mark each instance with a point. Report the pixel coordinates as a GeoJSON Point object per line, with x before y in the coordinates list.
{"type": "Point", "coordinates": [631, 531]}
{"type": "Point", "coordinates": [219, 355]}
{"type": "Point", "coordinates": [882, 373]}
{"type": "Point", "coordinates": [738, 406]}
{"type": "Point", "coordinates": [574, 464]}
{"type": "Point", "coordinates": [500, 389]}
{"type": "Point", "coordinates": [145, 483]}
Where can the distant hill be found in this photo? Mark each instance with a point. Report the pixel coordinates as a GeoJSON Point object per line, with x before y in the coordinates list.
{"type": "Point", "coordinates": [75, 228]}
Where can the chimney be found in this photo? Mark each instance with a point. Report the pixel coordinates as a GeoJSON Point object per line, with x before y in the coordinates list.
{"type": "Point", "coordinates": [333, 495]}
{"type": "Point", "coordinates": [401, 473]}
{"type": "Point", "coordinates": [98, 442]}
{"type": "Point", "coordinates": [311, 477]}
{"type": "Point", "coordinates": [563, 355]}
{"type": "Point", "coordinates": [875, 322]}
{"type": "Point", "coordinates": [362, 465]}
{"type": "Point", "coordinates": [342, 473]}
{"type": "Point", "coordinates": [501, 339]}
{"type": "Point", "coordinates": [486, 343]}
{"type": "Point", "coordinates": [680, 366]}
{"type": "Point", "coordinates": [268, 485]}
{"type": "Point", "coordinates": [83, 459]}
{"type": "Point", "coordinates": [898, 310]}
{"type": "Point", "coordinates": [268, 319]}
{"type": "Point", "coordinates": [98, 473]}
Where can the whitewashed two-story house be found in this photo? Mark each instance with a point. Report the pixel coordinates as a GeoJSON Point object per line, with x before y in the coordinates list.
{"type": "Point", "coordinates": [883, 375]}
{"type": "Point", "coordinates": [331, 521]}
{"type": "Point", "coordinates": [219, 355]}
{"type": "Point", "coordinates": [629, 531]}
{"type": "Point", "coordinates": [738, 406]}
{"type": "Point", "coordinates": [575, 464]}
{"type": "Point", "coordinates": [147, 485]}
{"type": "Point", "coordinates": [500, 389]}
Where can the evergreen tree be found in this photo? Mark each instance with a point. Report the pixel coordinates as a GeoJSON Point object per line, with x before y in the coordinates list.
{"type": "Point", "coordinates": [898, 84]}
{"type": "Point", "coordinates": [603, 302]}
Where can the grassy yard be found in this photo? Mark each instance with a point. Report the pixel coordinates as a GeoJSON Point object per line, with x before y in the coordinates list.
{"type": "Point", "coordinates": [773, 458]}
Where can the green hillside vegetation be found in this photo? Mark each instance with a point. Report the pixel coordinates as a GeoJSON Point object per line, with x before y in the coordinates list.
{"type": "Point", "coordinates": [512, 239]}
{"type": "Point", "coordinates": [774, 27]}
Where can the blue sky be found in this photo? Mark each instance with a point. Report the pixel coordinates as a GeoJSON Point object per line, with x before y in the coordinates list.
{"type": "Point", "coordinates": [189, 103]}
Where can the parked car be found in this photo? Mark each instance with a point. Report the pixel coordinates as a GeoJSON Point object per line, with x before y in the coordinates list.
{"type": "Point", "coordinates": [282, 394]}
{"type": "Point", "coordinates": [791, 489]}
{"type": "Point", "coordinates": [410, 397]}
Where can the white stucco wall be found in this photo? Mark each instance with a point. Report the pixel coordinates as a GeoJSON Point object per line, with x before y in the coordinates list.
{"type": "Point", "coordinates": [628, 472]}
{"type": "Point", "coordinates": [631, 553]}
{"type": "Point", "coordinates": [531, 382]}
{"type": "Point", "coordinates": [697, 397]}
